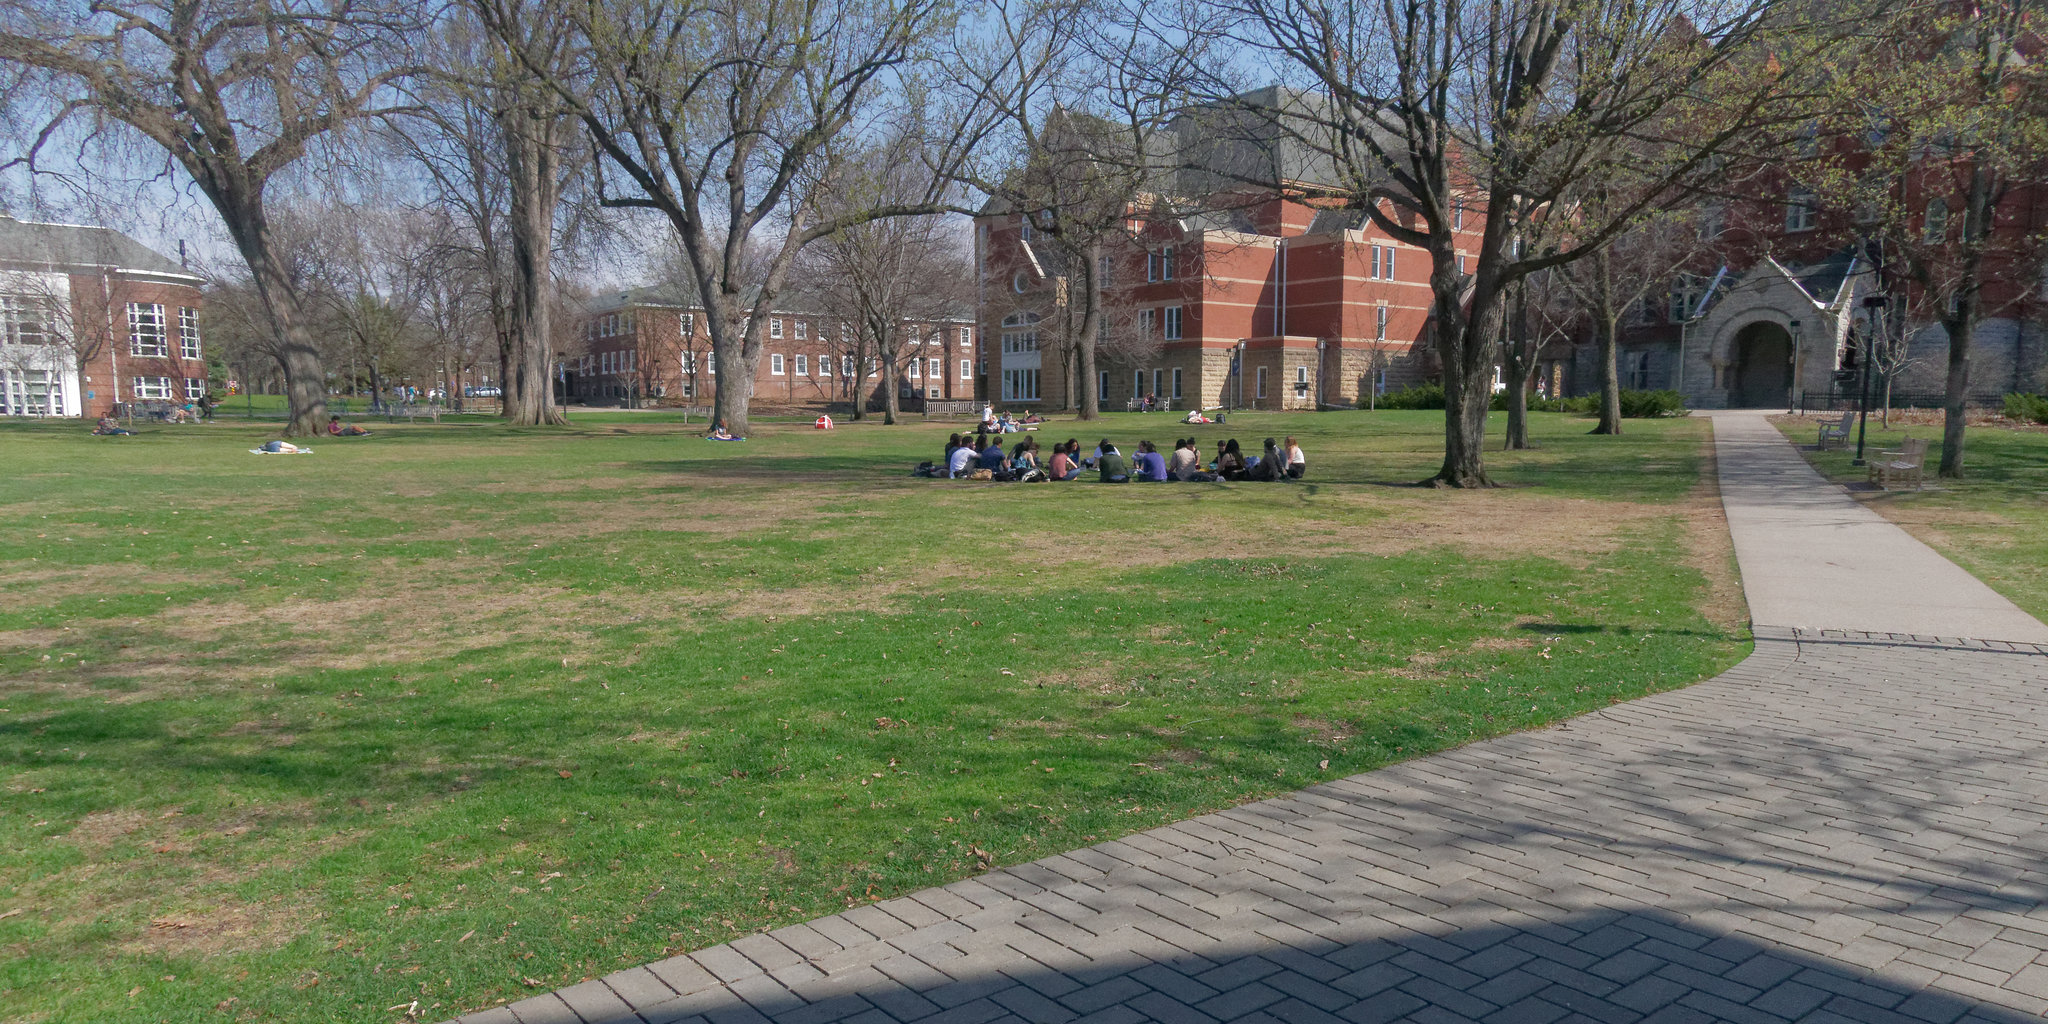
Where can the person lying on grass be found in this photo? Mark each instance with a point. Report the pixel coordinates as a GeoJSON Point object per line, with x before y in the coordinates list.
{"type": "Point", "coordinates": [336, 428]}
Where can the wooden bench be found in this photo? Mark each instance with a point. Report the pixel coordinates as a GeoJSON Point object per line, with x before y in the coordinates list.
{"type": "Point", "coordinates": [1902, 465]}
{"type": "Point", "coordinates": [1837, 432]}
{"type": "Point", "coordinates": [411, 412]}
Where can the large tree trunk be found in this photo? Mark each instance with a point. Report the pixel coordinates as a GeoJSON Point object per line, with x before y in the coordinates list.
{"type": "Point", "coordinates": [529, 394]}
{"type": "Point", "coordinates": [1978, 209]}
{"type": "Point", "coordinates": [305, 379]}
{"type": "Point", "coordinates": [1467, 332]}
{"type": "Point", "coordinates": [892, 406]}
{"type": "Point", "coordinates": [1608, 334]}
{"type": "Point", "coordinates": [1091, 325]}
{"type": "Point", "coordinates": [1956, 392]}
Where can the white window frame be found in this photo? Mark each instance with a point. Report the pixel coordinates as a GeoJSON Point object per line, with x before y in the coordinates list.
{"type": "Point", "coordinates": [775, 364]}
{"type": "Point", "coordinates": [1379, 322]}
{"type": "Point", "coordinates": [1801, 212]}
{"type": "Point", "coordinates": [966, 369]}
{"type": "Point", "coordinates": [188, 333]}
{"type": "Point", "coordinates": [688, 363]}
{"type": "Point", "coordinates": [153, 389]}
{"type": "Point", "coordinates": [1170, 319]}
{"type": "Point", "coordinates": [846, 366]}
{"type": "Point", "coordinates": [1166, 263]}
{"type": "Point", "coordinates": [148, 334]}
{"type": "Point", "coordinates": [915, 366]}
{"type": "Point", "coordinates": [935, 369]}
{"type": "Point", "coordinates": [966, 337]}
{"type": "Point", "coordinates": [775, 327]}
{"type": "Point", "coordinates": [803, 330]}
{"type": "Point", "coordinates": [686, 325]}
{"type": "Point", "coordinates": [711, 363]}
{"type": "Point", "coordinates": [1300, 374]}
{"type": "Point", "coordinates": [803, 365]}
{"type": "Point", "coordinates": [195, 388]}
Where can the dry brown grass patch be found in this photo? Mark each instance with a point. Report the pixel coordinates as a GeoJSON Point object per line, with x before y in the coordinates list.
{"type": "Point", "coordinates": [220, 928]}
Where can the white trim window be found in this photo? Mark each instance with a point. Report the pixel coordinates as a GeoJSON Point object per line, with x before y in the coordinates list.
{"type": "Point", "coordinates": [689, 363]}
{"type": "Point", "coordinates": [966, 337]}
{"type": "Point", "coordinates": [686, 324]}
{"type": "Point", "coordinates": [1802, 209]}
{"type": "Point", "coordinates": [803, 330]}
{"type": "Point", "coordinates": [803, 365]}
{"type": "Point", "coordinates": [27, 320]}
{"type": "Point", "coordinates": [1020, 385]}
{"type": "Point", "coordinates": [146, 330]}
{"type": "Point", "coordinates": [775, 327]}
{"type": "Point", "coordinates": [1382, 263]}
{"type": "Point", "coordinates": [153, 389]}
{"type": "Point", "coordinates": [1379, 322]}
{"type": "Point", "coordinates": [1300, 377]}
{"type": "Point", "coordinates": [846, 366]}
{"type": "Point", "coordinates": [195, 388]}
{"type": "Point", "coordinates": [1171, 318]}
{"type": "Point", "coordinates": [1146, 318]}
{"type": "Point", "coordinates": [916, 367]}
{"type": "Point", "coordinates": [31, 393]}
{"type": "Point", "coordinates": [935, 369]}
{"type": "Point", "coordinates": [966, 369]}
{"type": "Point", "coordinates": [711, 363]}
{"type": "Point", "coordinates": [188, 332]}
{"type": "Point", "coordinates": [775, 364]}
{"type": "Point", "coordinates": [874, 366]}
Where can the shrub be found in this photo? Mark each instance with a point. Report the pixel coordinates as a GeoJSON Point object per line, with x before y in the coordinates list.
{"type": "Point", "coordinates": [1643, 405]}
{"type": "Point", "coordinates": [2026, 408]}
{"type": "Point", "coordinates": [1417, 396]}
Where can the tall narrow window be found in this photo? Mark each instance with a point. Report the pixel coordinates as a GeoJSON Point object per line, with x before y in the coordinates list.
{"type": "Point", "coordinates": [1166, 263]}
{"type": "Point", "coordinates": [803, 365]}
{"type": "Point", "coordinates": [686, 324]}
{"type": "Point", "coordinates": [935, 369]}
{"type": "Point", "coordinates": [1935, 226]}
{"type": "Point", "coordinates": [966, 369]}
{"type": "Point", "coordinates": [1176, 382]}
{"type": "Point", "coordinates": [188, 332]}
{"type": "Point", "coordinates": [775, 327]}
{"type": "Point", "coordinates": [775, 364]}
{"type": "Point", "coordinates": [146, 335]}
{"type": "Point", "coordinates": [1379, 322]}
{"type": "Point", "coordinates": [1800, 213]}
{"type": "Point", "coordinates": [1262, 382]}
{"type": "Point", "coordinates": [1172, 321]}
{"type": "Point", "coordinates": [803, 329]}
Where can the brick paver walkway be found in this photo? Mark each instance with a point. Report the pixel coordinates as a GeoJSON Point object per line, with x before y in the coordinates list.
{"type": "Point", "coordinates": [1847, 827]}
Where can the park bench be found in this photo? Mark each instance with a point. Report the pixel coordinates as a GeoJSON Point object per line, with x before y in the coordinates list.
{"type": "Point", "coordinates": [411, 412]}
{"type": "Point", "coordinates": [1837, 432]}
{"type": "Point", "coordinates": [1901, 464]}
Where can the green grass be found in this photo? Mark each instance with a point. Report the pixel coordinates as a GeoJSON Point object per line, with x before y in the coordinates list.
{"type": "Point", "coordinates": [1992, 521]}
{"type": "Point", "coordinates": [451, 713]}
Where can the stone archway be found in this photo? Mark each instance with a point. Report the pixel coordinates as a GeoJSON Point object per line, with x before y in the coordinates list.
{"type": "Point", "coordinates": [1763, 366]}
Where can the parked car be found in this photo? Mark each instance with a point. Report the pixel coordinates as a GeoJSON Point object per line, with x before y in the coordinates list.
{"type": "Point", "coordinates": [481, 391]}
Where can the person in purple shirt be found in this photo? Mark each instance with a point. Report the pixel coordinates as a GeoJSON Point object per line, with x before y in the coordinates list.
{"type": "Point", "coordinates": [1151, 466]}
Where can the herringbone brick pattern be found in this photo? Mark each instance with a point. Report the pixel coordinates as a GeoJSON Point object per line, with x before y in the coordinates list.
{"type": "Point", "coordinates": [1844, 828]}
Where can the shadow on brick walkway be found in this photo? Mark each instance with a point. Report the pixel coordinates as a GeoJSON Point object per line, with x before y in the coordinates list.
{"type": "Point", "coordinates": [1846, 827]}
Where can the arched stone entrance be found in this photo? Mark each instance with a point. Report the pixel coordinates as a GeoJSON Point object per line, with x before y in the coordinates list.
{"type": "Point", "coordinates": [1763, 366]}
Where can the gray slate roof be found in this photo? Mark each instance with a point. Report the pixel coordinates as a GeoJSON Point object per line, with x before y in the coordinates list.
{"type": "Point", "coordinates": [72, 245]}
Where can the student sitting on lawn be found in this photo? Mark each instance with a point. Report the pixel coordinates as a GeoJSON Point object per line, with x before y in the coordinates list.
{"type": "Point", "coordinates": [1230, 462]}
{"type": "Point", "coordinates": [337, 428]}
{"type": "Point", "coordinates": [1271, 465]}
{"type": "Point", "coordinates": [961, 462]}
{"type": "Point", "coordinates": [1063, 466]}
{"type": "Point", "coordinates": [1186, 462]}
{"type": "Point", "coordinates": [1297, 464]}
{"type": "Point", "coordinates": [1111, 464]}
{"type": "Point", "coordinates": [1150, 465]}
{"type": "Point", "coordinates": [109, 427]}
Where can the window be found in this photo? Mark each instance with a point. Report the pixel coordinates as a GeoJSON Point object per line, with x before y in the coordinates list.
{"type": "Point", "coordinates": [1019, 282]}
{"type": "Point", "coordinates": [1461, 263]}
{"type": "Point", "coordinates": [1166, 263]}
{"type": "Point", "coordinates": [825, 366]}
{"type": "Point", "coordinates": [1712, 217]}
{"type": "Point", "coordinates": [803, 329]}
{"type": "Point", "coordinates": [1137, 383]}
{"type": "Point", "coordinates": [146, 330]}
{"type": "Point", "coordinates": [688, 388]}
{"type": "Point", "coordinates": [1102, 386]}
{"type": "Point", "coordinates": [1300, 375]}
{"type": "Point", "coordinates": [775, 327]}
{"type": "Point", "coordinates": [149, 389]}
{"type": "Point", "coordinates": [966, 369]}
{"type": "Point", "coordinates": [1379, 322]}
{"type": "Point", "coordinates": [1935, 227]}
{"type": "Point", "coordinates": [632, 360]}
{"type": "Point", "coordinates": [935, 369]}
{"type": "Point", "coordinates": [803, 366]}
{"type": "Point", "coordinates": [195, 388]}
{"type": "Point", "coordinates": [31, 393]}
{"type": "Point", "coordinates": [27, 320]}
{"type": "Point", "coordinates": [1158, 381]}
{"type": "Point", "coordinates": [1636, 370]}
{"type": "Point", "coordinates": [1145, 317]}
{"type": "Point", "coordinates": [1176, 382]}
{"type": "Point", "coordinates": [775, 364]}
{"type": "Point", "coordinates": [915, 366]}
{"type": "Point", "coordinates": [1024, 229]}
{"type": "Point", "coordinates": [1382, 262]}
{"type": "Point", "coordinates": [846, 366]}
{"type": "Point", "coordinates": [1799, 209]}
{"type": "Point", "coordinates": [1102, 272]}
{"type": "Point", "coordinates": [1020, 385]}
{"type": "Point", "coordinates": [687, 324]}
{"type": "Point", "coordinates": [1262, 382]}
{"type": "Point", "coordinates": [188, 332]}
{"type": "Point", "coordinates": [1172, 321]}
{"type": "Point", "coordinates": [874, 366]}
{"type": "Point", "coordinates": [689, 363]}
{"type": "Point", "coordinates": [710, 362]}
{"type": "Point", "coordinates": [966, 337]}
{"type": "Point", "coordinates": [1686, 293]}
{"type": "Point", "coordinates": [1457, 215]}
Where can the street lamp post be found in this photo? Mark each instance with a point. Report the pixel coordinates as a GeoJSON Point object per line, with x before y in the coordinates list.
{"type": "Point", "coordinates": [1792, 368]}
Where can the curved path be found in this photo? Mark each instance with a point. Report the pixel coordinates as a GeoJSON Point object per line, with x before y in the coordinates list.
{"type": "Point", "coordinates": [1850, 826]}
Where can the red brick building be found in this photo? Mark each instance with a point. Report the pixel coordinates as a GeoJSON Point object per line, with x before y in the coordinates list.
{"type": "Point", "coordinates": [648, 345]}
{"type": "Point", "coordinates": [90, 318]}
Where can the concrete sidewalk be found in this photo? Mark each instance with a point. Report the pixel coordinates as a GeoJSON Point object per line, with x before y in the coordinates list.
{"type": "Point", "coordinates": [1847, 827]}
{"type": "Point", "coordinates": [1814, 558]}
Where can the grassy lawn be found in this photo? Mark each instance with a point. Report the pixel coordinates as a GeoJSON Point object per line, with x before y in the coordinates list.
{"type": "Point", "coordinates": [453, 713]}
{"type": "Point", "coordinates": [1993, 521]}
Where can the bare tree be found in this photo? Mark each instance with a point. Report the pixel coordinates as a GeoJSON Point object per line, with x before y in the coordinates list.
{"type": "Point", "coordinates": [1621, 275]}
{"type": "Point", "coordinates": [1419, 107]}
{"type": "Point", "coordinates": [717, 114]}
{"type": "Point", "coordinates": [1540, 312]}
{"type": "Point", "coordinates": [234, 94]}
{"type": "Point", "coordinates": [1953, 111]}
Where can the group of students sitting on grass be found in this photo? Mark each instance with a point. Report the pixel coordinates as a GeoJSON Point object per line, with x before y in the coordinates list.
{"type": "Point", "coordinates": [982, 457]}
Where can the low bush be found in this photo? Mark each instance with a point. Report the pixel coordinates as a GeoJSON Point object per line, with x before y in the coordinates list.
{"type": "Point", "coordinates": [1643, 405]}
{"type": "Point", "coordinates": [1415, 396]}
{"type": "Point", "coordinates": [2023, 408]}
